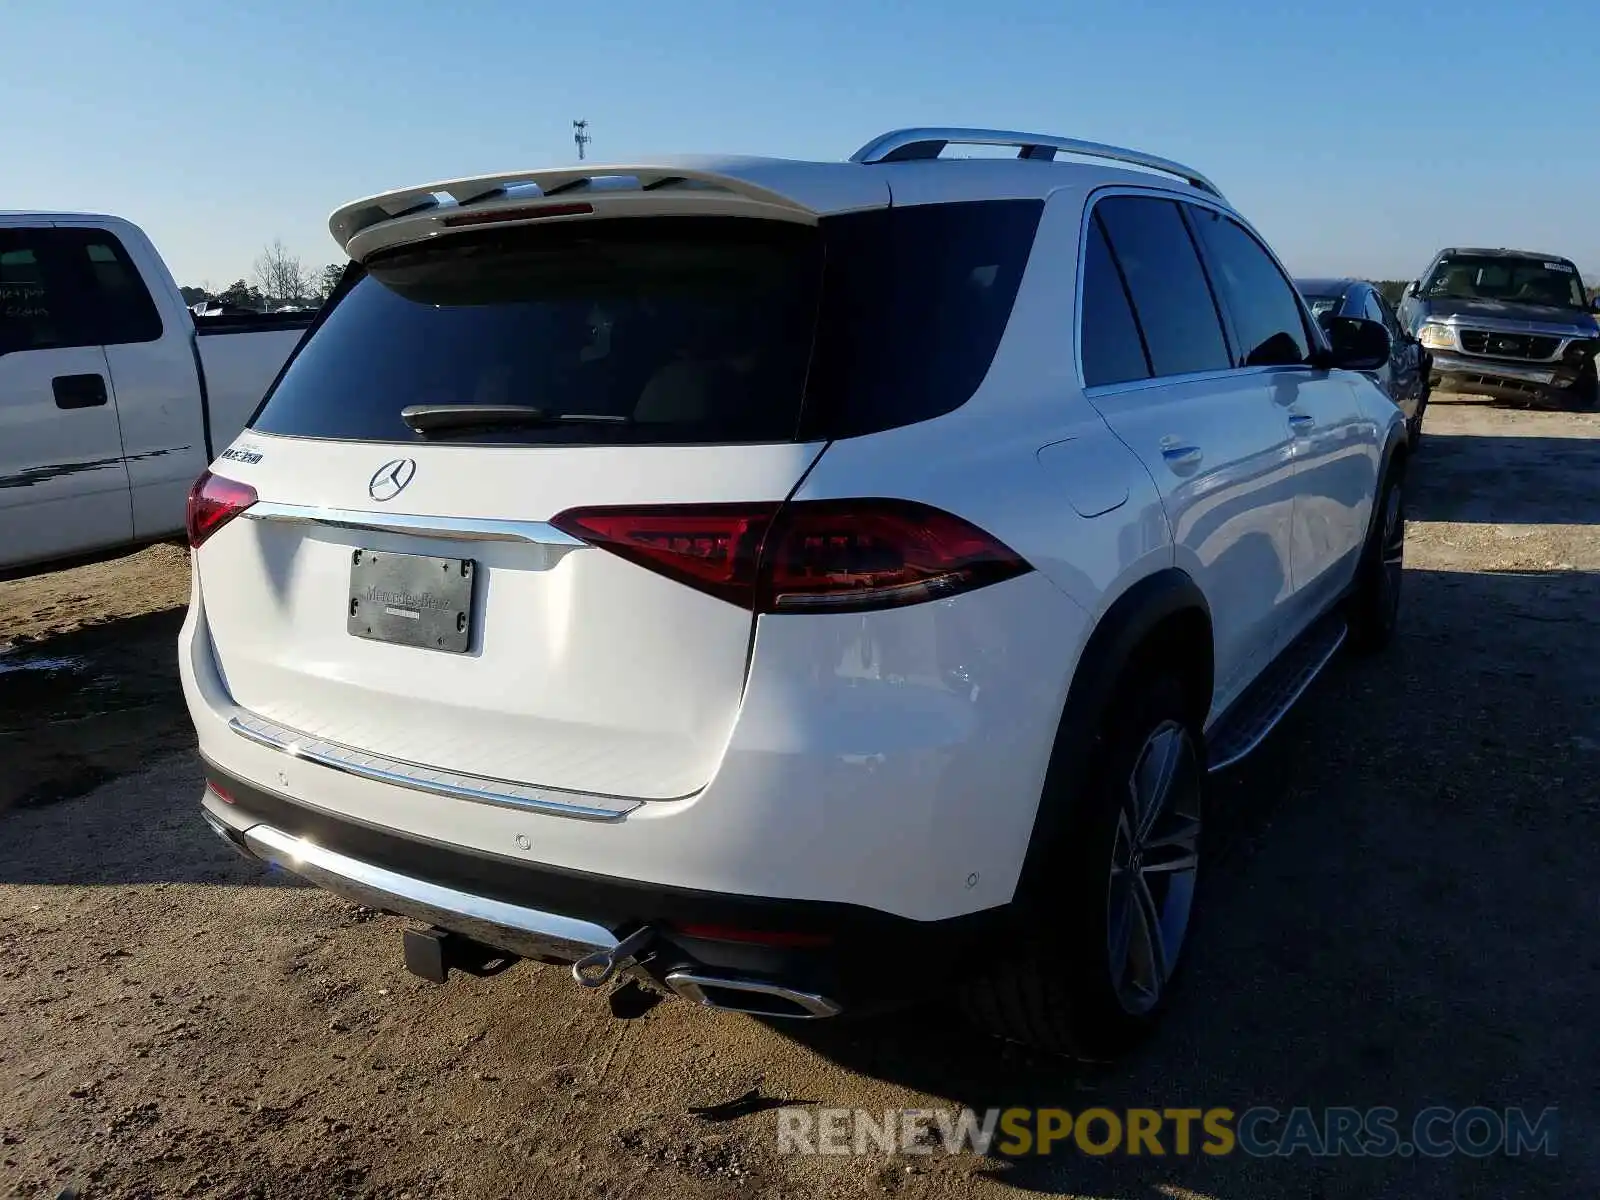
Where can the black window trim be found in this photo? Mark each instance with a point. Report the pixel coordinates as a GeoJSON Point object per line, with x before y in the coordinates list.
{"type": "Point", "coordinates": [1319, 343]}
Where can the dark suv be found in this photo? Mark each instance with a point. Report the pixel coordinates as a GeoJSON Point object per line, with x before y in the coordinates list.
{"type": "Point", "coordinates": [1511, 324]}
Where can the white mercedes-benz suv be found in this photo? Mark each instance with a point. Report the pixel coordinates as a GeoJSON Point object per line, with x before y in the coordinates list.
{"type": "Point", "coordinates": [761, 575]}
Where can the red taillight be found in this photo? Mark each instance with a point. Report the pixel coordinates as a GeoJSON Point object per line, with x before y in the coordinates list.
{"type": "Point", "coordinates": [213, 502]}
{"type": "Point", "coordinates": [806, 556]}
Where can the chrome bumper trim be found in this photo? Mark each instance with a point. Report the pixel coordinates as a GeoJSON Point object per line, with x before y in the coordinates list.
{"type": "Point", "coordinates": [529, 932]}
{"type": "Point", "coordinates": [421, 778]}
{"type": "Point", "coordinates": [471, 529]}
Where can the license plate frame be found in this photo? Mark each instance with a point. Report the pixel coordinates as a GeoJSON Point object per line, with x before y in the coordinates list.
{"type": "Point", "coordinates": [413, 600]}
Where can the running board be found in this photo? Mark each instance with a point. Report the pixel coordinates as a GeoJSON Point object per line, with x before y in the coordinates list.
{"type": "Point", "coordinates": [1256, 713]}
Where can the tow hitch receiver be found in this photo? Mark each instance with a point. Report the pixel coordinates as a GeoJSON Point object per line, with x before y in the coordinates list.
{"type": "Point", "coordinates": [432, 953]}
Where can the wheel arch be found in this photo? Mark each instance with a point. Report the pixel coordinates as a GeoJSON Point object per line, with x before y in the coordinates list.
{"type": "Point", "coordinates": [1161, 617]}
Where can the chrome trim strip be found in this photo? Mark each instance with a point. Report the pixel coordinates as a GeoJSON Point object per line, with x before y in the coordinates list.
{"type": "Point", "coordinates": [692, 987]}
{"type": "Point", "coordinates": [469, 529]}
{"type": "Point", "coordinates": [526, 931]}
{"type": "Point", "coordinates": [456, 785]}
{"type": "Point", "coordinates": [1294, 698]}
{"type": "Point", "coordinates": [884, 147]}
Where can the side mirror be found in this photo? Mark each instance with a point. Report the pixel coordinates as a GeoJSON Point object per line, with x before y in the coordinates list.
{"type": "Point", "coordinates": [1595, 303]}
{"type": "Point", "coordinates": [1413, 287]}
{"type": "Point", "coordinates": [1356, 344]}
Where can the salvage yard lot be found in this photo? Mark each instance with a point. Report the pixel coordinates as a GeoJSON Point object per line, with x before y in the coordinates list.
{"type": "Point", "coordinates": [1402, 913]}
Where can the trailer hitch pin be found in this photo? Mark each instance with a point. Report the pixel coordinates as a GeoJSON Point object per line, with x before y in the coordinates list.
{"type": "Point", "coordinates": [596, 970]}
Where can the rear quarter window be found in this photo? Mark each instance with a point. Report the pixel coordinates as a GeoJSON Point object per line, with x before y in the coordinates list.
{"type": "Point", "coordinates": [915, 303]}
{"type": "Point", "coordinates": [1108, 337]}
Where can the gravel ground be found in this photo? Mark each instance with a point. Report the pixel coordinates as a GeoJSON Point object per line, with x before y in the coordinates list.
{"type": "Point", "coordinates": [1401, 913]}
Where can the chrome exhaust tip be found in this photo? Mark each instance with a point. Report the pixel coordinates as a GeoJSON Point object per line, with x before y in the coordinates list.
{"type": "Point", "coordinates": [751, 997]}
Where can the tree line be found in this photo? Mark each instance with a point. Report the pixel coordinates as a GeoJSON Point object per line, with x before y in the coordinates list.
{"type": "Point", "coordinates": [278, 280]}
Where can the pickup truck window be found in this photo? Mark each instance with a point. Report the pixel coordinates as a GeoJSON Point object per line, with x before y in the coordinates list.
{"type": "Point", "coordinates": [30, 307]}
{"type": "Point", "coordinates": [70, 287]}
{"type": "Point", "coordinates": [123, 303]}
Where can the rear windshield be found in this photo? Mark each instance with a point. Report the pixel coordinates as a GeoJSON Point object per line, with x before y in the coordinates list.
{"type": "Point", "coordinates": [680, 330]}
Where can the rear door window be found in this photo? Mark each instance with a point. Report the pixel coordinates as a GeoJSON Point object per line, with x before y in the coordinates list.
{"type": "Point", "coordinates": [1171, 298]}
{"type": "Point", "coordinates": [1267, 320]}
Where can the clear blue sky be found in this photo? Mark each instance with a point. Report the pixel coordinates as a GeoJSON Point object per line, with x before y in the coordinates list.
{"type": "Point", "coordinates": [1359, 135]}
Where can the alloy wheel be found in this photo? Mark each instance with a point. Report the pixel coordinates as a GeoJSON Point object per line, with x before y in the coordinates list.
{"type": "Point", "coordinates": [1154, 863]}
{"type": "Point", "coordinates": [1393, 551]}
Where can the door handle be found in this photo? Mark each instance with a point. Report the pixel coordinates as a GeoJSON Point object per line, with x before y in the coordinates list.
{"type": "Point", "coordinates": [1300, 422]}
{"type": "Point", "coordinates": [1181, 456]}
{"type": "Point", "coordinates": [79, 391]}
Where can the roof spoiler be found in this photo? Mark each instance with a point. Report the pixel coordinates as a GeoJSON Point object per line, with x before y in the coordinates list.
{"type": "Point", "coordinates": [746, 187]}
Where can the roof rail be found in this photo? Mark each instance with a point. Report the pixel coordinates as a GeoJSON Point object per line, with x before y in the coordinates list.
{"type": "Point", "coordinates": [910, 145]}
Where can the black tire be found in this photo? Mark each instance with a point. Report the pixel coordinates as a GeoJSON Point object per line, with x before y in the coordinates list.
{"type": "Point", "coordinates": [1414, 426]}
{"type": "Point", "coordinates": [1374, 606]}
{"type": "Point", "coordinates": [1587, 389]}
{"type": "Point", "coordinates": [1063, 996]}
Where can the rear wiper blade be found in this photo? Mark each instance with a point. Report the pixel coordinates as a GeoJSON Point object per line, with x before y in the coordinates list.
{"type": "Point", "coordinates": [441, 418]}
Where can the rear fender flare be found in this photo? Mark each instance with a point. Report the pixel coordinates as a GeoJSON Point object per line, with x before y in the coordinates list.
{"type": "Point", "coordinates": [1108, 656]}
{"type": "Point", "coordinates": [1395, 451]}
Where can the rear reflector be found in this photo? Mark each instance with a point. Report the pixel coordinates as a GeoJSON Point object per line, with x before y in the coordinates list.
{"type": "Point", "coordinates": [806, 556]}
{"type": "Point", "coordinates": [213, 502]}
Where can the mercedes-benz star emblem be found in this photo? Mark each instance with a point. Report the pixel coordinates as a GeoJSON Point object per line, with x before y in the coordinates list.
{"type": "Point", "coordinates": [389, 480]}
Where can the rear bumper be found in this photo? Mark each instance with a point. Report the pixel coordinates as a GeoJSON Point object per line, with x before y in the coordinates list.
{"type": "Point", "coordinates": [824, 958]}
{"type": "Point", "coordinates": [886, 762]}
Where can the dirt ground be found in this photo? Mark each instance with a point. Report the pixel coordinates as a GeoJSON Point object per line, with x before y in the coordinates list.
{"type": "Point", "coordinates": [1401, 913]}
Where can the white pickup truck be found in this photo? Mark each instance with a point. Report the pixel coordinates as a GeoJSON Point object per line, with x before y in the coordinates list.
{"type": "Point", "coordinates": [114, 396]}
